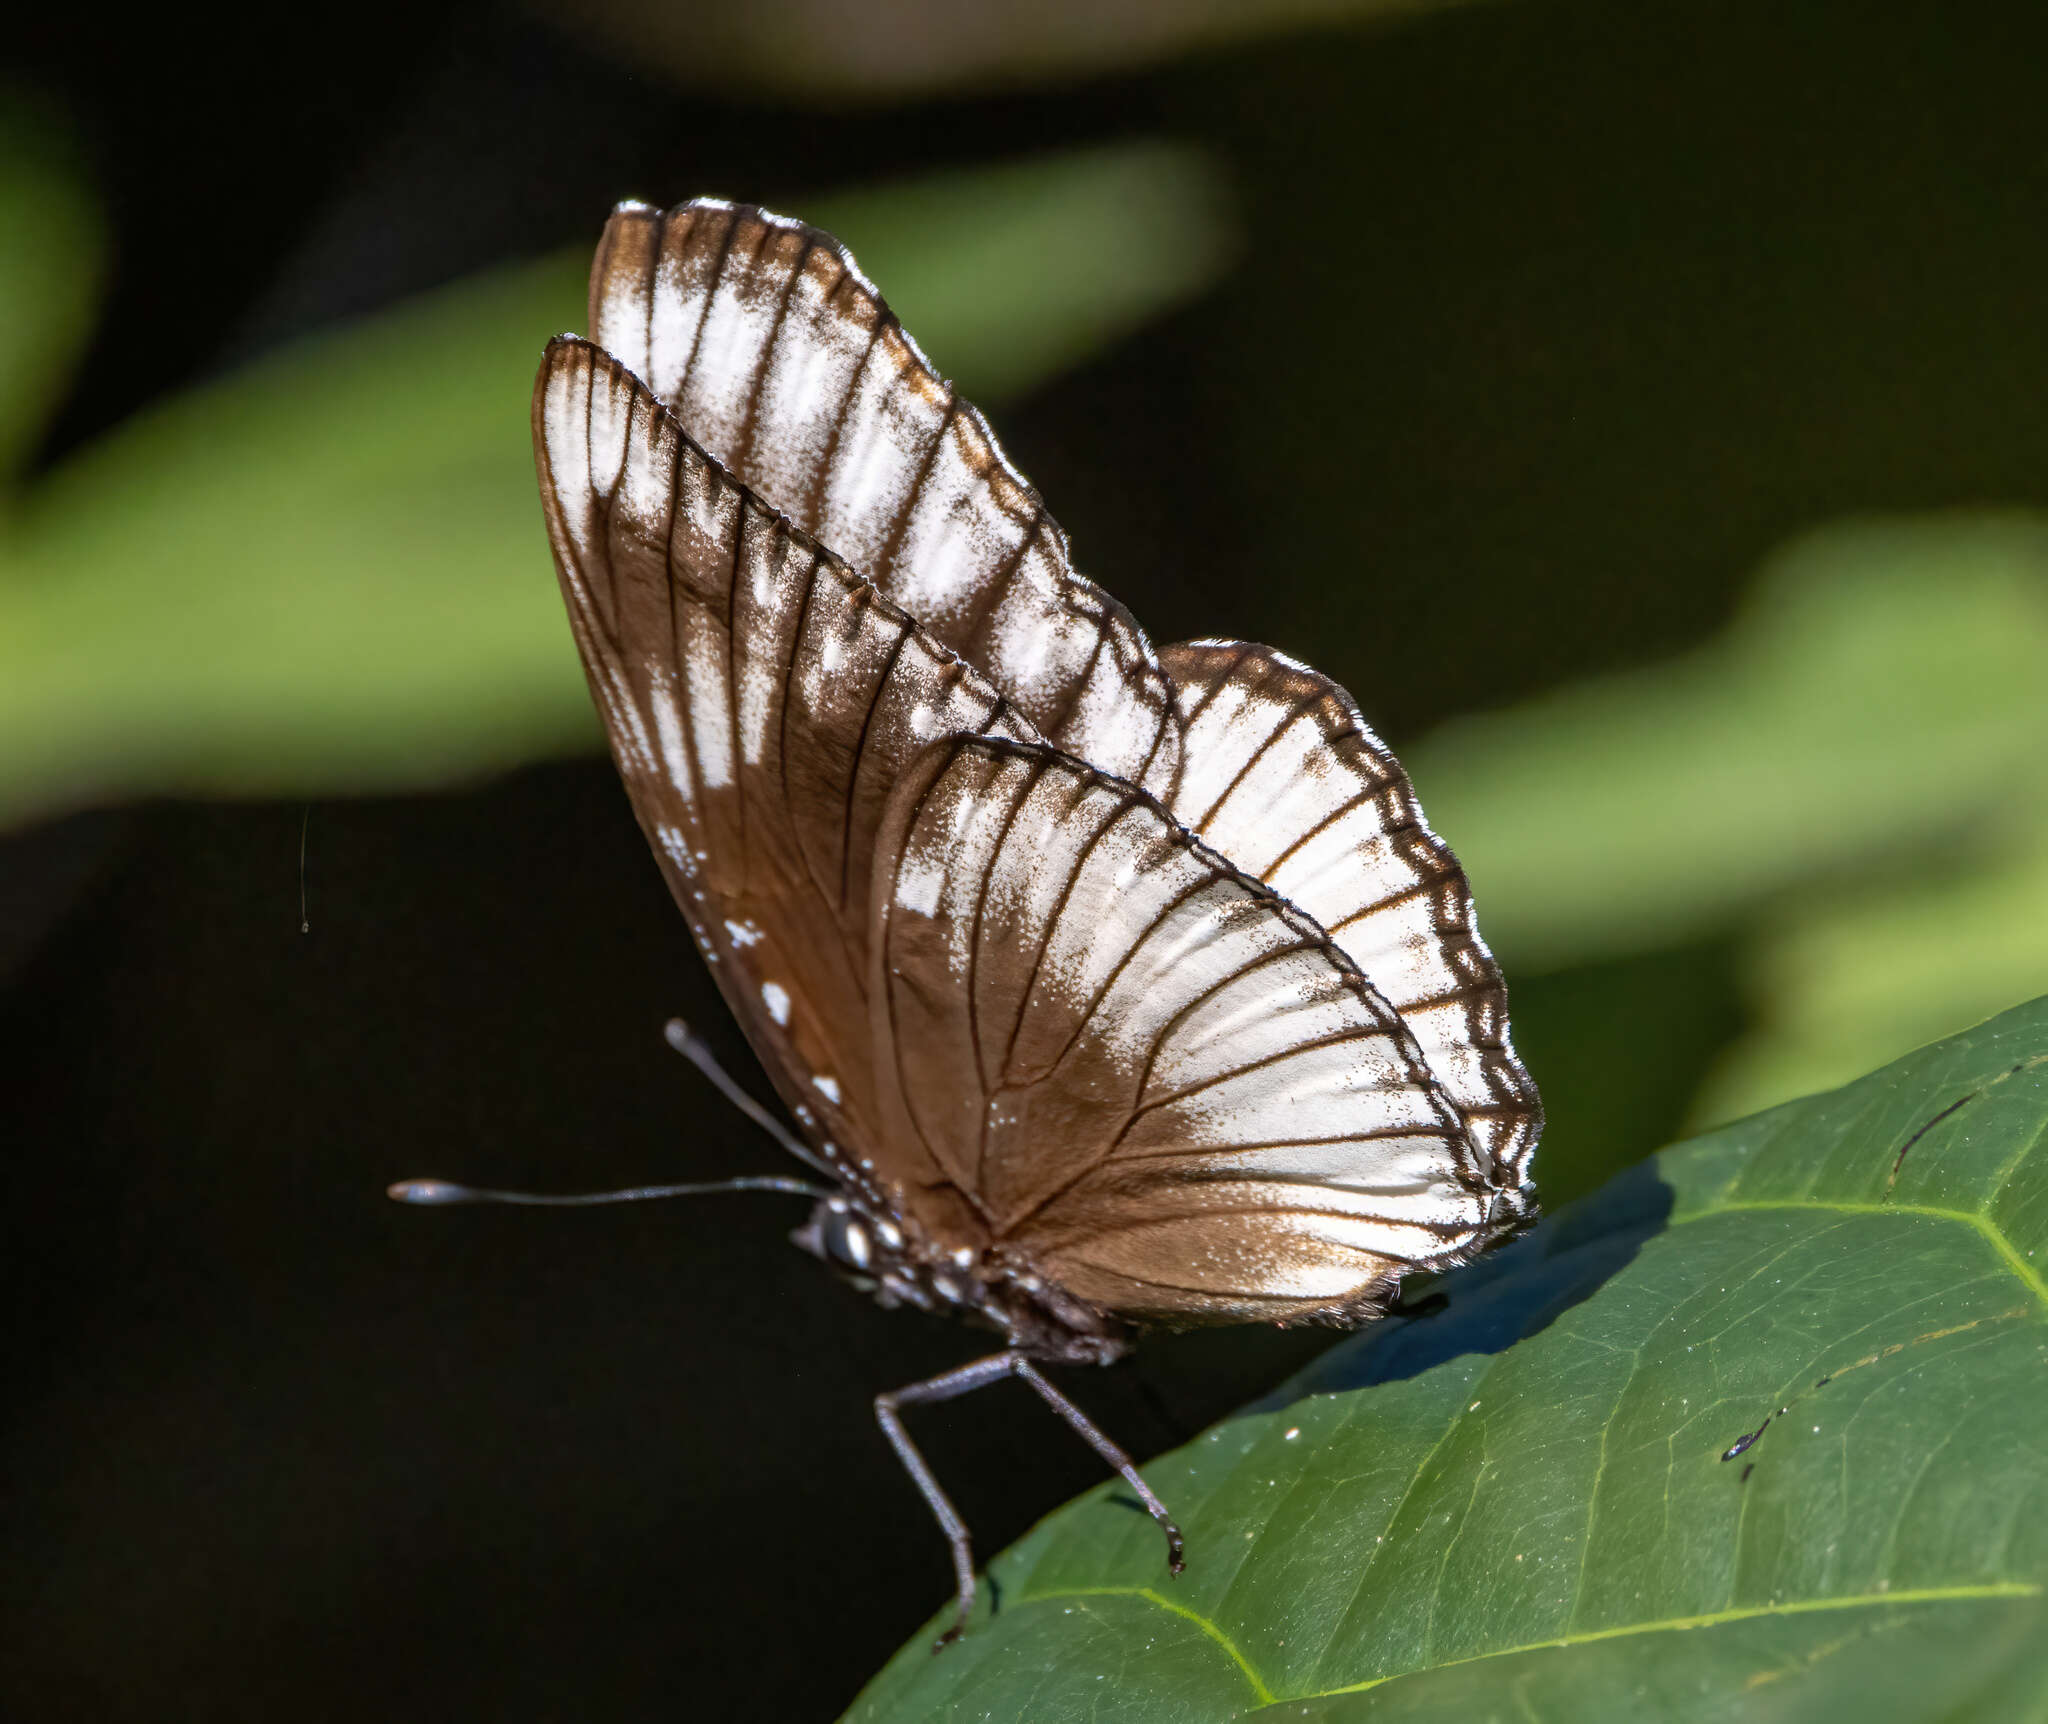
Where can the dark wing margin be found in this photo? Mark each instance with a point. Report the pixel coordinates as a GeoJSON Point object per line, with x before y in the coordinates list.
{"type": "Point", "coordinates": [784, 363]}
{"type": "Point", "coordinates": [1159, 1084]}
{"type": "Point", "coordinates": [1282, 774]}
{"type": "Point", "coordinates": [761, 700]}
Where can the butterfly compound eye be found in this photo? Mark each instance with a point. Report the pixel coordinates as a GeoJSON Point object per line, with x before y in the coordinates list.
{"type": "Point", "coordinates": [839, 1235]}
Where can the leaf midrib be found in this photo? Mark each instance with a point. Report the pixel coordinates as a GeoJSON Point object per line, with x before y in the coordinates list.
{"type": "Point", "coordinates": [1667, 1625]}
{"type": "Point", "coordinates": [1982, 1224]}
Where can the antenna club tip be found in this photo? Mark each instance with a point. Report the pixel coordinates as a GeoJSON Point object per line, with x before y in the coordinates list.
{"type": "Point", "coordinates": [425, 1191]}
{"type": "Point", "coordinates": [678, 1034]}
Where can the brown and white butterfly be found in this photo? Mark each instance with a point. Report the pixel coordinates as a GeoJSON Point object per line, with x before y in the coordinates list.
{"type": "Point", "coordinates": [1109, 987]}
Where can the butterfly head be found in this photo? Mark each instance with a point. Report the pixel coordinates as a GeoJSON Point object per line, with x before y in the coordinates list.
{"type": "Point", "coordinates": [866, 1249]}
{"type": "Point", "coordinates": [898, 1263]}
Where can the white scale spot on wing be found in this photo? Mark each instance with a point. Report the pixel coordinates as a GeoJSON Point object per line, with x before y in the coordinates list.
{"type": "Point", "coordinates": [1351, 862]}
{"type": "Point", "coordinates": [1021, 638]}
{"type": "Point", "coordinates": [1408, 1178]}
{"type": "Point", "coordinates": [1333, 1091]}
{"type": "Point", "coordinates": [677, 850]}
{"type": "Point", "coordinates": [759, 694]}
{"type": "Point", "coordinates": [564, 423]}
{"type": "Point", "coordinates": [886, 429]}
{"type": "Point", "coordinates": [813, 678]}
{"type": "Point", "coordinates": [728, 358]}
{"type": "Point", "coordinates": [668, 726]}
{"type": "Point", "coordinates": [709, 719]}
{"type": "Point", "coordinates": [1256, 1015]}
{"type": "Point", "coordinates": [677, 315]}
{"type": "Point", "coordinates": [642, 495]}
{"type": "Point", "coordinates": [776, 998]}
{"type": "Point", "coordinates": [920, 884]}
{"type": "Point", "coordinates": [947, 546]}
{"type": "Point", "coordinates": [810, 369]}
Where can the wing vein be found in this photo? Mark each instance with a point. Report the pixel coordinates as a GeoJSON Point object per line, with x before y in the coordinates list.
{"type": "Point", "coordinates": [711, 287]}
{"type": "Point", "coordinates": [653, 284]}
{"type": "Point", "coordinates": [990, 1084]}
{"type": "Point", "coordinates": [1059, 909]}
{"type": "Point", "coordinates": [1209, 694]}
{"type": "Point", "coordinates": [743, 440]}
{"type": "Point", "coordinates": [913, 493]}
{"type": "Point", "coordinates": [1301, 704]}
{"type": "Point", "coordinates": [1337, 1038]}
{"type": "Point", "coordinates": [860, 745]}
{"type": "Point", "coordinates": [821, 477]}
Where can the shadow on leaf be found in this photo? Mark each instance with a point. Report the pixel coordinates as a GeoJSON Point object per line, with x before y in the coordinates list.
{"type": "Point", "coordinates": [1489, 1306]}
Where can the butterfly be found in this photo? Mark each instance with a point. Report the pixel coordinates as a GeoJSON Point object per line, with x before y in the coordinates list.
{"type": "Point", "coordinates": [1109, 987]}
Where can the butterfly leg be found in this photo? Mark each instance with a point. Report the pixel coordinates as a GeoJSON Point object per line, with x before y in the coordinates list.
{"type": "Point", "coordinates": [964, 1380]}
{"type": "Point", "coordinates": [1086, 1429]}
{"type": "Point", "coordinates": [944, 1387]}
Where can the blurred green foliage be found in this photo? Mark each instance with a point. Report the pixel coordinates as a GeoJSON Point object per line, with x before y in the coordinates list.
{"type": "Point", "coordinates": [1849, 783]}
{"type": "Point", "coordinates": [1836, 975]}
{"type": "Point", "coordinates": [324, 573]}
{"type": "Point", "coordinates": [1618, 1046]}
{"type": "Point", "coordinates": [50, 274]}
{"type": "Point", "coordinates": [1882, 687]}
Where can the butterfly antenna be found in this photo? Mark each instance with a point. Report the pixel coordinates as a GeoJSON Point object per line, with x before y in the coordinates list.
{"type": "Point", "coordinates": [693, 1048]}
{"type": "Point", "coordinates": [436, 1191]}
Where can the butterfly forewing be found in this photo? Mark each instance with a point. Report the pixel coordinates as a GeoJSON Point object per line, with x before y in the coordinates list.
{"type": "Point", "coordinates": [1150, 1076]}
{"type": "Point", "coordinates": [1281, 774]}
{"type": "Point", "coordinates": [762, 702]}
{"type": "Point", "coordinates": [782, 361]}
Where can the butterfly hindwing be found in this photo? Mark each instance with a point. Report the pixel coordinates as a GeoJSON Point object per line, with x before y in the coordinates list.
{"type": "Point", "coordinates": [784, 363]}
{"type": "Point", "coordinates": [1282, 775]}
{"type": "Point", "coordinates": [761, 701]}
{"type": "Point", "coordinates": [1154, 1079]}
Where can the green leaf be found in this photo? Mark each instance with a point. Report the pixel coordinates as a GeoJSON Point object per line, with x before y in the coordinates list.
{"type": "Point", "coordinates": [1845, 979]}
{"type": "Point", "coordinates": [1011, 275]}
{"type": "Point", "coordinates": [51, 271]}
{"type": "Point", "coordinates": [1882, 686]}
{"type": "Point", "coordinates": [325, 574]}
{"type": "Point", "coordinates": [1520, 1509]}
{"type": "Point", "coordinates": [328, 574]}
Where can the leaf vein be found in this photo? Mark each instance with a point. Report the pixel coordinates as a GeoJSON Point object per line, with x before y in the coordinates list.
{"type": "Point", "coordinates": [1711, 1619]}
{"type": "Point", "coordinates": [2019, 1266]}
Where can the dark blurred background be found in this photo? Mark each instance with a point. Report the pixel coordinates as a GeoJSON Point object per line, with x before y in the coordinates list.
{"type": "Point", "coordinates": [1547, 323]}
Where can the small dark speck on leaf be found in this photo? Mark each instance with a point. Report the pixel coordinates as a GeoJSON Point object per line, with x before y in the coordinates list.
{"type": "Point", "coordinates": [1899, 1159]}
{"type": "Point", "coordinates": [1746, 1471]}
{"type": "Point", "coordinates": [1742, 1443]}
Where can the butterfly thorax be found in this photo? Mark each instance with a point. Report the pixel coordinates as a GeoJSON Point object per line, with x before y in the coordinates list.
{"type": "Point", "coordinates": [892, 1258]}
